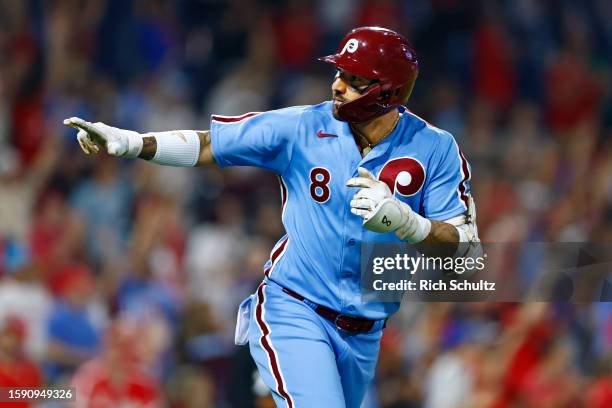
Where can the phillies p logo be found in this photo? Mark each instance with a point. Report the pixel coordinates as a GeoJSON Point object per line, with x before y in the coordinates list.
{"type": "Point", "coordinates": [350, 46]}
{"type": "Point", "coordinates": [404, 175]}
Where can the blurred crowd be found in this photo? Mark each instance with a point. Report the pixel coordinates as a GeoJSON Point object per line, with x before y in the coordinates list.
{"type": "Point", "coordinates": [122, 278]}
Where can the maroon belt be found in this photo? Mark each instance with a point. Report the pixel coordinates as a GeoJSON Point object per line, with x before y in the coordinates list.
{"type": "Point", "coordinates": [349, 324]}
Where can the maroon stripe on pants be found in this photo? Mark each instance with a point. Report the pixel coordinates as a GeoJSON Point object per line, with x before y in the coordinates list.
{"type": "Point", "coordinates": [265, 343]}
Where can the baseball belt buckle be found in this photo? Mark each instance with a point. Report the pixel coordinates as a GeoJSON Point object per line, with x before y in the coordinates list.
{"type": "Point", "coordinates": [344, 325]}
{"type": "Point", "coordinates": [337, 324]}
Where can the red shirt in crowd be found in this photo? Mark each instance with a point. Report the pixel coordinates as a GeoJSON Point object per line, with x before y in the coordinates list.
{"type": "Point", "coordinates": [19, 373]}
{"type": "Point", "coordinates": [98, 386]}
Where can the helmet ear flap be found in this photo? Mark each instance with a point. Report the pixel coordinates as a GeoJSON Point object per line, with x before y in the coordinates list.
{"type": "Point", "coordinates": [366, 107]}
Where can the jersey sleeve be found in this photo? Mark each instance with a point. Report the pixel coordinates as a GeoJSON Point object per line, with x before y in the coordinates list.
{"type": "Point", "coordinates": [255, 139]}
{"type": "Point", "coordinates": [447, 188]}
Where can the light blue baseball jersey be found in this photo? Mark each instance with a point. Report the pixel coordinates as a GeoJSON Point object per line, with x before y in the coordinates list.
{"type": "Point", "coordinates": [314, 155]}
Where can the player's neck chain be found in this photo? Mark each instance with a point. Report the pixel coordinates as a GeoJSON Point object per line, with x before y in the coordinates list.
{"type": "Point", "coordinates": [363, 142]}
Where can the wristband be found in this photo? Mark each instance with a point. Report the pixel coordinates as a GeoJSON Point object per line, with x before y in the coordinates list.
{"type": "Point", "coordinates": [179, 148]}
{"type": "Point", "coordinates": [415, 229]}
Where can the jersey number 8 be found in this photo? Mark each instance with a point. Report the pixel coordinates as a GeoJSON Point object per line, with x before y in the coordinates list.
{"type": "Point", "coordinates": [319, 180]}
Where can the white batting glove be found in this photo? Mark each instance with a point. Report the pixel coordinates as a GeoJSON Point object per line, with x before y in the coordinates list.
{"type": "Point", "coordinates": [382, 212]}
{"type": "Point", "coordinates": [117, 142]}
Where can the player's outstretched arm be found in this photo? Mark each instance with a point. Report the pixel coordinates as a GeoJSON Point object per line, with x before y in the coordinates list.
{"type": "Point", "coordinates": [181, 148]}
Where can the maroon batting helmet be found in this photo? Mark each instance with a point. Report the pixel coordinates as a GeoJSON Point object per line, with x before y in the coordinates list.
{"type": "Point", "coordinates": [381, 54]}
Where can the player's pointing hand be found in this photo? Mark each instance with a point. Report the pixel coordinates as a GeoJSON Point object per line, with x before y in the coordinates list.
{"type": "Point", "coordinates": [116, 142]}
{"type": "Point", "coordinates": [85, 141]}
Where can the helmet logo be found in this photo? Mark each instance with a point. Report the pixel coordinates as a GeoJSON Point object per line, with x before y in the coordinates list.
{"type": "Point", "coordinates": [350, 46]}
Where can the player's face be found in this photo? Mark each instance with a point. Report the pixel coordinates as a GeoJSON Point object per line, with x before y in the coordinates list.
{"type": "Point", "coordinates": [348, 87]}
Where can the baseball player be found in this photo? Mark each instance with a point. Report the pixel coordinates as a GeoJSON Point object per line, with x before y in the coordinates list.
{"type": "Point", "coordinates": [359, 168]}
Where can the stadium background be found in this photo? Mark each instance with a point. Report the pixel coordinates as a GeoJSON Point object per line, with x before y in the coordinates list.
{"type": "Point", "coordinates": [140, 267]}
